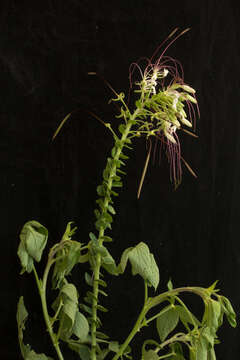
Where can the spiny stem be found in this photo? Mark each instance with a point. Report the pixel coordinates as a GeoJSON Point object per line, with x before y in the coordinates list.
{"type": "Point", "coordinates": [97, 265]}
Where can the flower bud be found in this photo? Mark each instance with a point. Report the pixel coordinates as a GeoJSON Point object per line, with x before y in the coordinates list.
{"type": "Point", "coordinates": [188, 89]}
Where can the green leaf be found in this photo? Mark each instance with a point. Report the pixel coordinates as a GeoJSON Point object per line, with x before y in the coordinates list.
{"type": "Point", "coordinates": [26, 351]}
{"type": "Point", "coordinates": [101, 190]}
{"type": "Point", "coordinates": [34, 356]}
{"type": "Point", "coordinates": [167, 321]}
{"type": "Point", "coordinates": [121, 172]}
{"type": "Point", "coordinates": [22, 316]}
{"type": "Point", "coordinates": [186, 317]}
{"type": "Point", "coordinates": [124, 259]}
{"type": "Point", "coordinates": [68, 257]}
{"type": "Point", "coordinates": [33, 239]}
{"type": "Point", "coordinates": [69, 232]}
{"type": "Point", "coordinates": [82, 350]}
{"type": "Point", "coordinates": [102, 354]}
{"type": "Point", "coordinates": [69, 297]}
{"type": "Point", "coordinates": [81, 327]}
{"type": "Point", "coordinates": [208, 336]}
{"type": "Point", "coordinates": [93, 237]}
{"type": "Point", "coordinates": [106, 238]}
{"type": "Point", "coordinates": [113, 346]}
{"type": "Point", "coordinates": [102, 292]}
{"type": "Point", "coordinates": [111, 209]}
{"type": "Point", "coordinates": [170, 285]}
{"type": "Point", "coordinates": [97, 213]}
{"type": "Point", "coordinates": [122, 128]}
{"type": "Point", "coordinates": [213, 314]}
{"type": "Point", "coordinates": [117, 184]}
{"type": "Point", "coordinates": [202, 350]}
{"type": "Point", "coordinates": [86, 308]}
{"type": "Point", "coordinates": [101, 335]}
{"type": "Point", "coordinates": [177, 349]}
{"type": "Point", "coordinates": [102, 282]}
{"type": "Point", "coordinates": [88, 279]}
{"type": "Point", "coordinates": [143, 263]}
{"type": "Point", "coordinates": [150, 355]}
{"type": "Point", "coordinates": [102, 308]}
{"type": "Point", "coordinates": [123, 156]}
{"type": "Point", "coordinates": [108, 262]}
{"type": "Point", "coordinates": [228, 310]}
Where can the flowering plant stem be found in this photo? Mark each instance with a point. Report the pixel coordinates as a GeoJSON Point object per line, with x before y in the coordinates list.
{"type": "Point", "coordinates": [97, 268]}
{"type": "Point", "coordinates": [42, 286]}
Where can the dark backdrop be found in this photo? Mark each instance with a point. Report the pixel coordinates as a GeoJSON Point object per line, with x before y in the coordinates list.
{"type": "Point", "coordinates": [46, 50]}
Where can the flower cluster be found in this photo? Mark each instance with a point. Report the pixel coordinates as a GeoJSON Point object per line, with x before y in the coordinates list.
{"type": "Point", "coordinates": [166, 104]}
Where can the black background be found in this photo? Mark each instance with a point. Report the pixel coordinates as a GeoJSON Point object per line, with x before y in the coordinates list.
{"type": "Point", "coordinates": [46, 50]}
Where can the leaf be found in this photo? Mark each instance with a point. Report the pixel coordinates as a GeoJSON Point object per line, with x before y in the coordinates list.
{"type": "Point", "coordinates": [33, 239]}
{"type": "Point", "coordinates": [186, 317]}
{"type": "Point", "coordinates": [167, 321]}
{"type": "Point", "coordinates": [122, 128]}
{"type": "Point", "coordinates": [106, 238]}
{"type": "Point", "coordinates": [170, 285]}
{"type": "Point", "coordinates": [150, 355]}
{"type": "Point", "coordinates": [22, 316]}
{"type": "Point", "coordinates": [143, 263]}
{"type": "Point", "coordinates": [102, 354]}
{"type": "Point", "coordinates": [81, 327]}
{"type": "Point", "coordinates": [26, 351]}
{"type": "Point", "coordinates": [34, 356]}
{"type": "Point", "coordinates": [82, 350]}
{"type": "Point", "coordinates": [101, 335]}
{"type": "Point", "coordinates": [69, 256]}
{"type": "Point", "coordinates": [113, 346]}
{"type": "Point", "coordinates": [177, 349]}
{"type": "Point", "coordinates": [86, 308]}
{"type": "Point", "coordinates": [228, 310]}
{"type": "Point", "coordinates": [108, 262]}
{"type": "Point", "coordinates": [206, 333]}
{"type": "Point", "coordinates": [124, 259]}
{"type": "Point", "coordinates": [102, 292]}
{"type": "Point", "coordinates": [214, 315]}
{"type": "Point", "coordinates": [101, 190]}
{"type": "Point", "coordinates": [69, 297]}
{"type": "Point", "coordinates": [88, 279]}
{"type": "Point", "coordinates": [202, 350]}
{"type": "Point", "coordinates": [102, 308]}
{"type": "Point", "coordinates": [111, 209]}
{"type": "Point", "coordinates": [92, 237]}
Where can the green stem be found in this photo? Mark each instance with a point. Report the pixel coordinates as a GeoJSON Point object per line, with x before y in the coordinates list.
{"type": "Point", "coordinates": [42, 292]}
{"type": "Point", "coordinates": [97, 265]}
{"type": "Point", "coordinates": [136, 328]}
{"type": "Point", "coordinates": [150, 303]}
{"type": "Point", "coordinates": [156, 300]}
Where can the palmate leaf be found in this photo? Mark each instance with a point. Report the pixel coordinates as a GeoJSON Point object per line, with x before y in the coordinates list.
{"type": "Point", "coordinates": [26, 351]}
{"type": "Point", "coordinates": [33, 239]}
{"type": "Point", "coordinates": [143, 263]}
